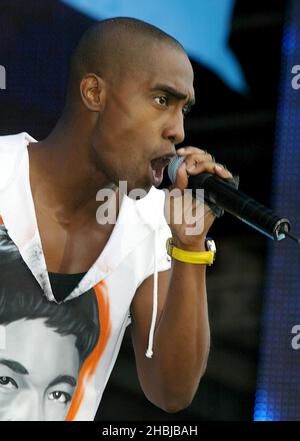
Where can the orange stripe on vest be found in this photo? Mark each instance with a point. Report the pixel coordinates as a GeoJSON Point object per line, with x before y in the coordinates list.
{"type": "Point", "coordinates": [90, 364]}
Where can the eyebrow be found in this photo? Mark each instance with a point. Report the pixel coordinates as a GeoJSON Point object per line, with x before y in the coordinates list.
{"type": "Point", "coordinates": [174, 92]}
{"type": "Point", "coordinates": [20, 369]}
{"type": "Point", "coordinates": [63, 379]}
{"type": "Point", "coordinates": [14, 366]}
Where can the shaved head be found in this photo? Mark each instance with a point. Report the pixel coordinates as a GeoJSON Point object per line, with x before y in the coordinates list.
{"type": "Point", "coordinates": [112, 49]}
{"type": "Point", "coordinates": [130, 86]}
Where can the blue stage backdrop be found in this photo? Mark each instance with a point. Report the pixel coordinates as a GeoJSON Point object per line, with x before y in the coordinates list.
{"type": "Point", "coordinates": [201, 26]}
{"type": "Point", "coordinates": [278, 386]}
{"type": "Point", "coordinates": [39, 36]}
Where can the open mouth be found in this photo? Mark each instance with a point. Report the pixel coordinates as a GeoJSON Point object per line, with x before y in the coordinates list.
{"type": "Point", "coordinates": [157, 168]}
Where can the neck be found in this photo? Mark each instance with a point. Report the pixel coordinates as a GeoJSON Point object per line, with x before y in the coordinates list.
{"type": "Point", "coordinates": [63, 175]}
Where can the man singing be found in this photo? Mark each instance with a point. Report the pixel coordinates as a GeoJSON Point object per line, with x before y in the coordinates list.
{"type": "Point", "coordinates": [130, 87]}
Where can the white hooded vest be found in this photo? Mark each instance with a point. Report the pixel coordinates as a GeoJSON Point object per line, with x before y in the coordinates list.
{"type": "Point", "coordinates": [134, 251]}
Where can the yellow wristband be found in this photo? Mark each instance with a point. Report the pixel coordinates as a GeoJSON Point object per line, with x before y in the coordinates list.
{"type": "Point", "coordinates": [198, 257]}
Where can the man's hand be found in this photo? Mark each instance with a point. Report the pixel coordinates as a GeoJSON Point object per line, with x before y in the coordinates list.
{"type": "Point", "coordinates": [196, 161]}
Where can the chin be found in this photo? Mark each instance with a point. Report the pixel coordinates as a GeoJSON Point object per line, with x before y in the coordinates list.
{"type": "Point", "coordinates": [138, 190]}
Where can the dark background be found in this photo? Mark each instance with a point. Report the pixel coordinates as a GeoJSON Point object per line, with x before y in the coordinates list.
{"type": "Point", "coordinates": [239, 130]}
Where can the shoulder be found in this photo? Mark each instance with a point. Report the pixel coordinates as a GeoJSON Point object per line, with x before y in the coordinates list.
{"type": "Point", "coordinates": [11, 147]}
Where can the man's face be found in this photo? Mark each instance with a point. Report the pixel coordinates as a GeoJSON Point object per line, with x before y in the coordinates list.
{"type": "Point", "coordinates": [38, 372]}
{"type": "Point", "coordinates": [143, 118]}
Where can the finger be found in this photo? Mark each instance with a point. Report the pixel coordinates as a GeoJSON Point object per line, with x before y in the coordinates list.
{"type": "Point", "coordinates": [190, 150]}
{"type": "Point", "coordinates": [222, 171]}
{"type": "Point", "coordinates": [187, 151]}
{"type": "Point", "coordinates": [193, 160]}
{"type": "Point", "coordinates": [209, 167]}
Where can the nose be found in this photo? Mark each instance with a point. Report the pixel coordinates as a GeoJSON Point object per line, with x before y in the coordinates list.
{"type": "Point", "coordinates": [174, 131]}
{"type": "Point", "coordinates": [31, 408]}
{"type": "Point", "coordinates": [36, 412]}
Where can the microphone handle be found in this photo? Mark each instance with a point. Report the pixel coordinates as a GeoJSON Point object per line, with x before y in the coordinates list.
{"type": "Point", "coordinates": [224, 195]}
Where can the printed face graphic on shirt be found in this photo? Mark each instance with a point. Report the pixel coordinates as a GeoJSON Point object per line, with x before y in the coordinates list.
{"type": "Point", "coordinates": [38, 372]}
{"type": "Point", "coordinates": [49, 352]}
{"type": "Point", "coordinates": [43, 353]}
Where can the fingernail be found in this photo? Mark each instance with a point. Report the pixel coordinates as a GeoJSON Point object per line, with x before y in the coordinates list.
{"type": "Point", "coordinates": [181, 150]}
{"type": "Point", "coordinates": [219, 167]}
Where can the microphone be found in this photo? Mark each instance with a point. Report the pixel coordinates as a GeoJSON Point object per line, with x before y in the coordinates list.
{"type": "Point", "coordinates": [224, 195]}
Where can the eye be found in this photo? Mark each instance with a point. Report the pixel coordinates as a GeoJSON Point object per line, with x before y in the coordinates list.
{"type": "Point", "coordinates": [8, 383]}
{"type": "Point", "coordinates": [161, 100]}
{"type": "Point", "coordinates": [186, 110]}
{"type": "Point", "coordinates": [60, 397]}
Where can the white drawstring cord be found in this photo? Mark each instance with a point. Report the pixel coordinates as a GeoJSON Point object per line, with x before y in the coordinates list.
{"type": "Point", "coordinates": [149, 351]}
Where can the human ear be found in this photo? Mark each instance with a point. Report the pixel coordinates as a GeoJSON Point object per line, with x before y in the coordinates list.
{"type": "Point", "coordinates": [92, 90]}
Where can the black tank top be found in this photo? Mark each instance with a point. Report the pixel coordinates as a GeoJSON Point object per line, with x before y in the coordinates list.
{"type": "Point", "coordinates": [63, 284]}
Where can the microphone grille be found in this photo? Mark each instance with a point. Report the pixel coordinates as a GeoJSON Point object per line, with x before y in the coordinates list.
{"type": "Point", "coordinates": [175, 163]}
